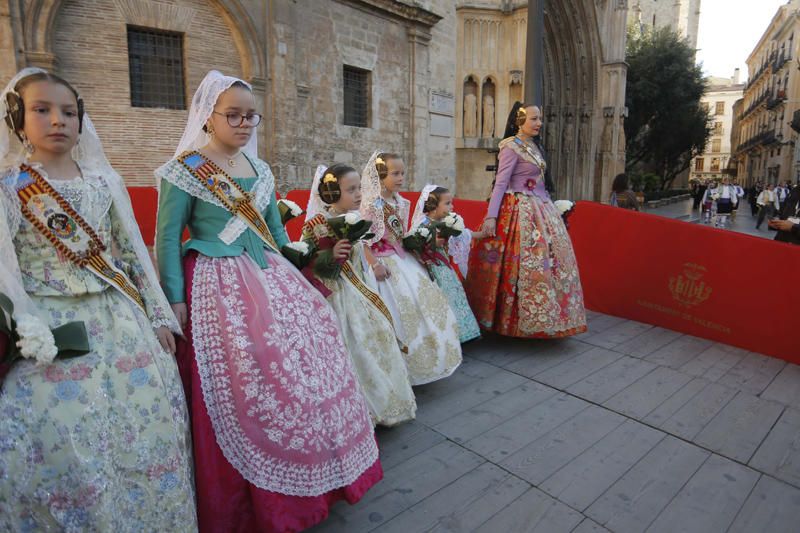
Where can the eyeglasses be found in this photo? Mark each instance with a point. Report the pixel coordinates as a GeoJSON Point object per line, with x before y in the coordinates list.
{"type": "Point", "coordinates": [236, 119]}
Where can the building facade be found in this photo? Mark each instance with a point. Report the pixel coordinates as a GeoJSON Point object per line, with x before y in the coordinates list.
{"type": "Point", "coordinates": [584, 90]}
{"type": "Point", "coordinates": [766, 144]}
{"type": "Point", "coordinates": [336, 79]}
{"type": "Point", "coordinates": [718, 100]}
{"type": "Point", "coordinates": [682, 16]}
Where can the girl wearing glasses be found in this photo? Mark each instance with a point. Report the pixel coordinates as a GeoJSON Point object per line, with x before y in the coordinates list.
{"type": "Point", "coordinates": [281, 429]}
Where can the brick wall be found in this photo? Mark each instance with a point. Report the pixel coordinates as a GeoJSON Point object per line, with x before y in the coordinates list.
{"type": "Point", "coordinates": [91, 44]}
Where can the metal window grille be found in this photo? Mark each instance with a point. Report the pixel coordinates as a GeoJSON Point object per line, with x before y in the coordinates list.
{"type": "Point", "coordinates": [155, 60]}
{"type": "Point", "coordinates": [356, 96]}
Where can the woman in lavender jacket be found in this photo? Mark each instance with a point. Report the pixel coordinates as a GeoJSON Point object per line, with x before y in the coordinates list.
{"type": "Point", "coordinates": [523, 277]}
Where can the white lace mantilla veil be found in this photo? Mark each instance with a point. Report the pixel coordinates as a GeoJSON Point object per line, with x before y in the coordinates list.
{"type": "Point", "coordinates": [459, 246]}
{"type": "Point", "coordinates": [89, 155]}
{"type": "Point", "coordinates": [315, 204]}
{"type": "Point", "coordinates": [419, 209]}
{"type": "Point", "coordinates": [194, 138]}
{"type": "Point", "coordinates": [372, 202]}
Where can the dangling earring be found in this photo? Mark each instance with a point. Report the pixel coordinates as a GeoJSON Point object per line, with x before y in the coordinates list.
{"type": "Point", "coordinates": [210, 130]}
{"type": "Point", "coordinates": [27, 145]}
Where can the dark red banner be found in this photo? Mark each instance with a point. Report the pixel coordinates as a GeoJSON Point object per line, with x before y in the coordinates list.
{"type": "Point", "coordinates": [720, 285]}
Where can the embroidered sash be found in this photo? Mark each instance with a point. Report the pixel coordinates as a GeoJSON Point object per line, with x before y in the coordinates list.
{"type": "Point", "coordinates": [68, 232]}
{"type": "Point", "coordinates": [238, 202]}
{"type": "Point", "coordinates": [350, 275]}
{"type": "Point", "coordinates": [393, 221]}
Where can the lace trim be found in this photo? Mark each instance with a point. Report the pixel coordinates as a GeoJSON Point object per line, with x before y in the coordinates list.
{"type": "Point", "coordinates": [285, 423]}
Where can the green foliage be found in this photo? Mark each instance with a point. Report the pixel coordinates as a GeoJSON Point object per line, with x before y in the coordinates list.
{"type": "Point", "coordinates": [666, 126]}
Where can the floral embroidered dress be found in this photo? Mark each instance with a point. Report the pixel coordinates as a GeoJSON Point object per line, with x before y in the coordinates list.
{"type": "Point", "coordinates": [281, 428]}
{"type": "Point", "coordinates": [524, 282]}
{"type": "Point", "coordinates": [98, 442]}
{"type": "Point", "coordinates": [368, 332]}
{"type": "Point", "coordinates": [446, 278]}
{"type": "Point", "coordinates": [422, 316]}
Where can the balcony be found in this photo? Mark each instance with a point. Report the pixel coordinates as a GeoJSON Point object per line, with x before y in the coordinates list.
{"type": "Point", "coordinates": [795, 123]}
{"type": "Point", "coordinates": [756, 103]}
{"type": "Point", "coordinates": [762, 139]}
{"type": "Point", "coordinates": [780, 62]}
{"type": "Point", "coordinates": [780, 97]}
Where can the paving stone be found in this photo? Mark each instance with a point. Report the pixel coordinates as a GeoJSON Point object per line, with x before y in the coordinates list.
{"type": "Point", "coordinates": [675, 402]}
{"type": "Point", "coordinates": [680, 351]}
{"type": "Point", "coordinates": [740, 427]}
{"type": "Point", "coordinates": [481, 418]}
{"type": "Point", "coordinates": [533, 512]}
{"type": "Point", "coordinates": [779, 454]}
{"type": "Point", "coordinates": [633, 502]}
{"type": "Point", "coordinates": [693, 416]}
{"type": "Point", "coordinates": [577, 368]}
{"type": "Point", "coordinates": [617, 334]}
{"type": "Point", "coordinates": [470, 371]}
{"type": "Point", "coordinates": [753, 373]}
{"type": "Point", "coordinates": [400, 443]}
{"type": "Point", "coordinates": [590, 526]}
{"type": "Point", "coordinates": [513, 435]}
{"type": "Point", "coordinates": [553, 354]}
{"type": "Point", "coordinates": [785, 388]}
{"type": "Point", "coordinates": [646, 394]}
{"type": "Point", "coordinates": [714, 362]}
{"type": "Point", "coordinates": [648, 342]}
{"type": "Point", "coordinates": [469, 396]}
{"type": "Point", "coordinates": [710, 500]}
{"type": "Point", "coordinates": [471, 499]}
{"type": "Point", "coordinates": [540, 459]}
{"type": "Point", "coordinates": [611, 379]}
{"type": "Point", "coordinates": [773, 506]}
{"type": "Point", "coordinates": [403, 486]}
{"type": "Point", "coordinates": [590, 474]}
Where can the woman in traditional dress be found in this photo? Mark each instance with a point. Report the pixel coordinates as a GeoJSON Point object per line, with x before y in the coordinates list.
{"type": "Point", "coordinates": [422, 317]}
{"type": "Point", "coordinates": [367, 325]}
{"type": "Point", "coordinates": [281, 428]}
{"type": "Point", "coordinates": [434, 204]}
{"type": "Point", "coordinates": [98, 442]}
{"type": "Point", "coordinates": [523, 277]}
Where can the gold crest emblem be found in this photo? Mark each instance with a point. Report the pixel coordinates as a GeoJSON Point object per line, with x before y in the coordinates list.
{"type": "Point", "coordinates": [688, 288]}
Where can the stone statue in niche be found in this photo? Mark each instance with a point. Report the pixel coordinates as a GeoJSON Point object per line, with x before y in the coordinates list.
{"type": "Point", "coordinates": [583, 134]}
{"type": "Point", "coordinates": [567, 137]}
{"type": "Point", "coordinates": [470, 115]}
{"type": "Point", "coordinates": [488, 116]}
{"type": "Point", "coordinates": [622, 140]}
{"type": "Point", "coordinates": [607, 138]}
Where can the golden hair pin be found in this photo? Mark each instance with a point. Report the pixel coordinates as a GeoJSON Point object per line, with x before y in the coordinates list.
{"type": "Point", "coordinates": [329, 178]}
{"type": "Point", "coordinates": [379, 161]}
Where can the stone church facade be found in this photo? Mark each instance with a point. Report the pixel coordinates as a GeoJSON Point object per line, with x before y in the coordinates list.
{"type": "Point", "coordinates": [584, 90]}
{"type": "Point", "coordinates": [338, 78]}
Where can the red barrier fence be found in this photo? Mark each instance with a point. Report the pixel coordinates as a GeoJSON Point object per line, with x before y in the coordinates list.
{"type": "Point", "coordinates": [720, 285]}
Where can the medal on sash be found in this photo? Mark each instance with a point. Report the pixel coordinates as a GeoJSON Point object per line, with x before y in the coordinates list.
{"type": "Point", "coordinates": [238, 202]}
{"type": "Point", "coordinates": [56, 220]}
{"type": "Point", "coordinates": [393, 221]}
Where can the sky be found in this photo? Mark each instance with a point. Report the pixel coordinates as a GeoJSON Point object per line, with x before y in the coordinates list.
{"type": "Point", "coordinates": [729, 31]}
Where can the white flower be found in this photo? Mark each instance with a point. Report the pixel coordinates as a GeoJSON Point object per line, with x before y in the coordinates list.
{"type": "Point", "coordinates": [294, 209]}
{"type": "Point", "coordinates": [563, 206]}
{"type": "Point", "coordinates": [299, 246]}
{"type": "Point", "coordinates": [36, 340]}
{"type": "Point", "coordinates": [351, 218]}
{"type": "Point", "coordinates": [423, 232]}
{"type": "Point", "coordinates": [458, 222]}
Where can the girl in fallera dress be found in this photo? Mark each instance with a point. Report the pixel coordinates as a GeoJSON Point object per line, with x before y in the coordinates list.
{"type": "Point", "coordinates": [367, 325]}
{"type": "Point", "coordinates": [281, 429]}
{"type": "Point", "coordinates": [434, 204]}
{"type": "Point", "coordinates": [523, 278]}
{"type": "Point", "coordinates": [98, 441]}
{"type": "Point", "coordinates": [421, 314]}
